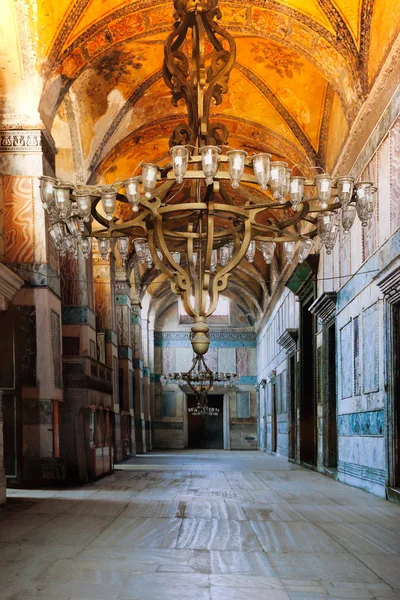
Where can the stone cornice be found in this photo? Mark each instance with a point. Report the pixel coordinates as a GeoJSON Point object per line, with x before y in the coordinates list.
{"type": "Point", "coordinates": [288, 339]}
{"type": "Point", "coordinates": [324, 307]}
{"type": "Point", "coordinates": [389, 281]}
{"type": "Point", "coordinates": [10, 283]}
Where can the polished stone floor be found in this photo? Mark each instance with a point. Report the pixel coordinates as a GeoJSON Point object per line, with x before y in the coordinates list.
{"type": "Point", "coordinates": [200, 525]}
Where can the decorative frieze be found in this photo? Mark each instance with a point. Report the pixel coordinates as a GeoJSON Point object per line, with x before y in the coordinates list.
{"type": "Point", "coordinates": [175, 339]}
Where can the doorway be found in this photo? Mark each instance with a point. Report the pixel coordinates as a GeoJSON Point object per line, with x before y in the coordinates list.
{"type": "Point", "coordinates": [307, 398]}
{"type": "Point", "coordinates": [394, 402]}
{"type": "Point", "coordinates": [206, 433]}
{"type": "Point", "coordinates": [331, 403]}
{"type": "Point", "coordinates": [274, 419]}
{"type": "Point", "coordinates": [292, 406]}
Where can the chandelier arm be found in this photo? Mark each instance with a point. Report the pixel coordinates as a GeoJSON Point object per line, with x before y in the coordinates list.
{"type": "Point", "coordinates": [302, 212]}
{"type": "Point", "coordinates": [221, 278]}
{"type": "Point", "coordinates": [194, 280]}
{"type": "Point", "coordinates": [96, 215]}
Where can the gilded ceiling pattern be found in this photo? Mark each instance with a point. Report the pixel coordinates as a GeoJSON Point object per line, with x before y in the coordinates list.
{"type": "Point", "coordinates": [92, 68]}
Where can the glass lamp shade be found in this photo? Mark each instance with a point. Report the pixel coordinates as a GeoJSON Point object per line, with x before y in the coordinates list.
{"type": "Point", "coordinates": [140, 249]}
{"type": "Point", "coordinates": [176, 257]}
{"type": "Point", "coordinates": [123, 247]}
{"type": "Point", "coordinates": [47, 191]}
{"type": "Point", "coordinates": [366, 199]}
{"type": "Point", "coordinates": [268, 249]}
{"type": "Point", "coordinates": [159, 255]}
{"type": "Point", "coordinates": [223, 255]}
{"type": "Point", "coordinates": [74, 227]}
{"type": "Point", "coordinates": [62, 200]}
{"type": "Point", "coordinates": [230, 247]}
{"type": "Point", "coordinates": [149, 178]}
{"type": "Point", "coordinates": [262, 169]}
{"type": "Point", "coordinates": [195, 257]}
{"type": "Point", "coordinates": [214, 261]}
{"type": "Point", "coordinates": [132, 191]}
{"type": "Point", "coordinates": [287, 186]}
{"type": "Point", "coordinates": [296, 191]}
{"type": "Point", "coordinates": [289, 250]}
{"type": "Point", "coordinates": [305, 248]}
{"type": "Point", "coordinates": [180, 157]}
{"type": "Point", "coordinates": [84, 202]}
{"type": "Point", "coordinates": [86, 246]}
{"type": "Point", "coordinates": [323, 183]}
{"type": "Point", "coordinates": [331, 240]}
{"type": "Point", "coordinates": [277, 181]}
{"type": "Point", "coordinates": [236, 159]}
{"type": "Point", "coordinates": [209, 161]}
{"type": "Point", "coordinates": [344, 186]}
{"type": "Point", "coordinates": [104, 247]}
{"type": "Point", "coordinates": [348, 217]}
{"type": "Point", "coordinates": [149, 258]}
{"type": "Point", "coordinates": [108, 201]}
{"type": "Point", "coordinates": [58, 234]}
{"type": "Point", "coordinates": [325, 224]}
{"type": "Point", "coordinates": [251, 251]}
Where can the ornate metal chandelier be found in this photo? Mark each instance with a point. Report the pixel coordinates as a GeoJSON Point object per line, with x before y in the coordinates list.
{"type": "Point", "coordinates": [200, 380]}
{"type": "Point", "coordinates": [199, 215]}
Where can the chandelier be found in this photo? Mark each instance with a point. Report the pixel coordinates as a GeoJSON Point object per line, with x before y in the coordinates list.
{"type": "Point", "coordinates": [200, 380]}
{"type": "Point", "coordinates": [197, 216]}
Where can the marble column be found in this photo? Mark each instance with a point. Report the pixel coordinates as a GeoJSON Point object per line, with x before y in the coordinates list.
{"type": "Point", "coordinates": [125, 367]}
{"type": "Point", "coordinates": [26, 249]}
{"type": "Point", "coordinates": [2, 471]}
{"type": "Point", "coordinates": [140, 425]}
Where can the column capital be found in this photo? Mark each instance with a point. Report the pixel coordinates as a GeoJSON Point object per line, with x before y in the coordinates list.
{"type": "Point", "coordinates": [10, 283]}
{"type": "Point", "coordinates": [28, 140]}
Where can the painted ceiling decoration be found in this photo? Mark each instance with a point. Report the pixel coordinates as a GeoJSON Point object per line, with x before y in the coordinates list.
{"type": "Point", "coordinates": [93, 74]}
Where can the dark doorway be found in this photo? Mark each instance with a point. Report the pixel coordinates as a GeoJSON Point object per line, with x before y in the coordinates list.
{"type": "Point", "coordinates": [206, 433]}
{"type": "Point", "coordinates": [274, 419]}
{"type": "Point", "coordinates": [292, 406]}
{"type": "Point", "coordinates": [307, 398]}
{"type": "Point", "coordinates": [331, 408]}
{"type": "Point", "coordinates": [394, 404]}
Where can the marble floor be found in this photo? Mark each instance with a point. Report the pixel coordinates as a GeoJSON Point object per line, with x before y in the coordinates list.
{"type": "Point", "coordinates": [200, 525]}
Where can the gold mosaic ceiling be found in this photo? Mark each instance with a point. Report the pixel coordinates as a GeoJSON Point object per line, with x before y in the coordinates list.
{"type": "Point", "coordinates": [304, 68]}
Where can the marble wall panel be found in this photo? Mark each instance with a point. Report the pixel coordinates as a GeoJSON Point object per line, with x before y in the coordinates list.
{"type": "Point", "coordinates": [362, 423]}
{"type": "Point", "coordinates": [18, 219]}
{"type": "Point", "coordinates": [383, 184]}
{"type": "Point", "coordinates": [168, 404]}
{"type": "Point", "coordinates": [367, 451]}
{"type": "Point", "coordinates": [27, 322]}
{"type": "Point", "coordinates": [395, 176]}
{"type": "Point", "coordinates": [227, 360]}
{"type": "Point", "coordinates": [370, 349]}
{"type": "Point", "coordinates": [184, 359]}
{"type": "Point", "coordinates": [371, 230]}
{"type": "Point", "coordinates": [56, 347]}
{"type": "Point", "coordinates": [242, 362]}
{"type": "Point", "coordinates": [346, 361]}
{"type": "Point", "coordinates": [211, 359]}
{"type": "Point", "coordinates": [69, 280]}
{"type": "Point", "coordinates": [168, 360]}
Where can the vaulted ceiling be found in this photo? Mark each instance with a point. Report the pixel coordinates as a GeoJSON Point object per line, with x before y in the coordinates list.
{"type": "Point", "coordinates": [303, 70]}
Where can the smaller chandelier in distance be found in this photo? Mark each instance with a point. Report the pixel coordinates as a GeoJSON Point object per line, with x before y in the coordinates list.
{"type": "Point", "coordinates": [200, 379]}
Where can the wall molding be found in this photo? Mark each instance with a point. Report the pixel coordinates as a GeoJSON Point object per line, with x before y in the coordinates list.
{"type": "Point", "coordinates": [324, 307]}
{"type": "Point", "coordinates": [288, 340]}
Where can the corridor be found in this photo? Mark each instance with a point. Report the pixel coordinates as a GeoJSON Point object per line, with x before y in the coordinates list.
{"type": "Point", "coordinates": [200, 525]}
